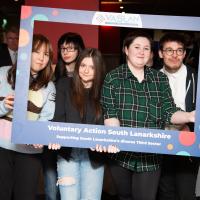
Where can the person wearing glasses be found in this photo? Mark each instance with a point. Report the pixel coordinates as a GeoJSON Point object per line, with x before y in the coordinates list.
{"type": "Point", "coordinates": [69, 46]}
{"type": "Point", "coordinates": [178, 177]}
{"type": "Point", "coordinates": [134, 95]}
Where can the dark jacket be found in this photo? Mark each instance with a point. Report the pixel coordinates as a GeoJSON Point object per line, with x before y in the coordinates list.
{"type": "Point", "coordinates": [66, 112]}
{"type": "Point", "coordinates": [5, 59]}
{"type": "Point", "coordinates": [191, 88]}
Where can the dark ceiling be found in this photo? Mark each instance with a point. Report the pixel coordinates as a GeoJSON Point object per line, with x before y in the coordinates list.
{"type": "Point", "coordinates": [10, 9]}
{"type": "Point", "coordinates": [160, 7]}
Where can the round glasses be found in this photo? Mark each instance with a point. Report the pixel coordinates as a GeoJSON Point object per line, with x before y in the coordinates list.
{"type": "Point", "coordinates": [170, 52]}
{"type": "Point", "coordinates": [68, 49]}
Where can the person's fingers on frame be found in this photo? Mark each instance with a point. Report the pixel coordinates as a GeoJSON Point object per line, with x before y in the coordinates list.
{"type": "Point", "coordinates": [104, 149]}
{"type": "Point", "coordinates": [38, 146]}
{"type": "Point", "coordinates": [113, 149]}
{"type": "Point", "coordinates": [116, 149]}
{"type": "Point", "coordinates": [9, 104]}
{"type": "Point", "coordinates": [101, 148]}
{"type": "Point", "coordinates": [92, 149]}
{"type": "Point", "coordinates": [54, 146]}
{"type": "Point", "coordinates": [98, 148]}
{"type": "Point", "coordinates": [109, 149]}
{"type": "Point", "coordinates": [50, 146]}
{"type": "Point", "coordinates": [57, 146]}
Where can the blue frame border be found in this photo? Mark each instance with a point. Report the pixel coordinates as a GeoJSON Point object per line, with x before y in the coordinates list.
{"type": "Point", "coordinates": [79, 135]}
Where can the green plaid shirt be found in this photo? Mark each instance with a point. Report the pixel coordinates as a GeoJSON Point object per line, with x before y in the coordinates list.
{"type": "Point", "coordinates": [148, 104]}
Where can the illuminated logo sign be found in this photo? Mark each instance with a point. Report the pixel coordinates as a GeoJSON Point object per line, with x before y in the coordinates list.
{"type": "Point", "coordinates": [117, 19]}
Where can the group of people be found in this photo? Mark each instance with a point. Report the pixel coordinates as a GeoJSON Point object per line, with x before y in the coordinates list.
{"type": "Point", "coordinates": [79, 91]}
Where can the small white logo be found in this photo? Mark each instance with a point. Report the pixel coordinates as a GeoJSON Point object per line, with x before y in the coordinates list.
{"type": "Point", "coordinates": [117, 19]}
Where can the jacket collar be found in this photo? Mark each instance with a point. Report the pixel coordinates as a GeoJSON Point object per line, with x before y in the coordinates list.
{"type": "Point", "coordinates": [127, 74]}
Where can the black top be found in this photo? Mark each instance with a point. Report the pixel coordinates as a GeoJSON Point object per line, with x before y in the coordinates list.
{"type": "Point", "coordinates": [191, 87]}
{"type": "Point", "coordinates": [5, 59]}
{"type": "Point", "coordinates": [66, 112]}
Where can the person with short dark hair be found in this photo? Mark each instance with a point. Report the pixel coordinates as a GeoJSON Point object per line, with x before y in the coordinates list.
{"type": "Point", "coordinates": [178, 176]}
{"type": "Point", "coordinates": [69, 46]}
{"type": "Point", "coordinates": [137, 96]}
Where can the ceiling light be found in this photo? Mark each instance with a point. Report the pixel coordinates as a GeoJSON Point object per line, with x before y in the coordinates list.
{"type": "Point", "coordinates": [121, 7]}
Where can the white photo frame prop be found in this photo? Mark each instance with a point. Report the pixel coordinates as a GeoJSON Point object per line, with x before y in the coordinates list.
{"type": "Point", "coordinates": [79, 135]}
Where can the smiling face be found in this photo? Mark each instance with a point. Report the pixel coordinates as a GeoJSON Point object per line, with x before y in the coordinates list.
{"type": "Point", "coordinates": [87, 72]}
{"type": "Point", "coordinates": [138, 52]}
{"type": "Point", "coordinates": [39, 59]}
{"type": "Point", "coordinates": [174, 60]}
{"type": "Point", "coordinates": [68, 52]}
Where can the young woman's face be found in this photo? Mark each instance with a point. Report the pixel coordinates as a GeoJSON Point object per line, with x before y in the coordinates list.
{"type": "Point", "coordinates": [68, 52]}
{"type": "Point", "coordinates": [138, 53]}
{"type": "Point", "coordinates": [87, 71]}
{"type": "Point", "coordinates": [39, 59]}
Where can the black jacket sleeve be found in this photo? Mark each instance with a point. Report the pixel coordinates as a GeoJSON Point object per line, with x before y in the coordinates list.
{"type": "Point", "coordinates": [61, 94]}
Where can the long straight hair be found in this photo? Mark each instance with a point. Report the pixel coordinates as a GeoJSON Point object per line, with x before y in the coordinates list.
{"type": "Point", "coordinates": [43, 76]}
{"type": "Point", "coordinates": [78, 90]}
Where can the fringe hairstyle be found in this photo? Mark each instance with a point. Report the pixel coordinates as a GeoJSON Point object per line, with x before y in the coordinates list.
{"type": "Point", "coordinates": [78, 95]}
{"type": "Point", "coordinates": [45, 75]}
{"type": "Point", "coordinates": [67, 38]}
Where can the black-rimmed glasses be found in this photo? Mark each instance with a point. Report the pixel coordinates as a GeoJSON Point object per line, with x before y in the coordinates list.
{"type": "Point", "coordinates": [170, 52]}
{"type": "Point", "coordinates": [68, 49]}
